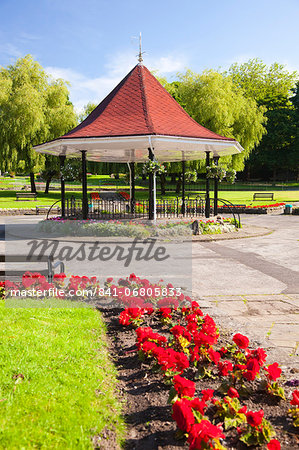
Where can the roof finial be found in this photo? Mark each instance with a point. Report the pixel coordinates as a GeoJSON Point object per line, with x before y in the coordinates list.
{"type": "Point", "coordinates": [140, 59]}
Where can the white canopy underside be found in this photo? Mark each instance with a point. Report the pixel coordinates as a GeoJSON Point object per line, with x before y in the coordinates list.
{"type": "Point", "coordinates": [135, 148]}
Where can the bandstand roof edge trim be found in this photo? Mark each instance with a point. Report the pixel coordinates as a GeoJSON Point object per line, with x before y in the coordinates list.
{"type": "Point", "coordinates": [135, 148]}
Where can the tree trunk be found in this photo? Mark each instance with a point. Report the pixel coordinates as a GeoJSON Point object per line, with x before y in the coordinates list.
{"type": "Point", "coordinates": [178, 185]}
{"type": "Point", "coordinates": [32, 182]}
{"type": "Point", "coordinates": [172, 178]}
{"type": "Point", "coordinates": [274, 174]}
{"type": "Point", "coordinates": [48, 181]}
{"type": "Point", "coordinates": [163, 183]}
{"type": "Point", "coordinates": [248, 172]}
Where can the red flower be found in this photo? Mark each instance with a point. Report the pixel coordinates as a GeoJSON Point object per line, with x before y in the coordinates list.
{"type": "Point", "coordinates": [166, 312]}
{"type": "Point", "coordinates": [198, 405]}
{"type": "Point", "coordinates": [146, 334]}
{"type": "Point", "coordinates": [124, 318]}
{"type": "Point", "coordinates": [214, 356]}
{"type": "Point", "coordinates": [295, 399]}
{"type": "Point", "coordinates": [225, 367]}
{"type": "Point", "coordinates": [170, 359]}
{"type": "Point", "coordinates": [204, 432]}
{"type": "Point", "coordinates": [252, 369]}
{"type": "Point", "coordinates": [178, 330]}
{"type": "Point", "coordinates": [255, 418]}
{"type": "Point", "coordinates": [274, 371]}
{"type": "Point", "coordinates": [232, 392]}
{"type": "Point", "coordinates": [243, 409]}
{"type": "Point", "coordinates": [241, 341]}
{"type": "Point", "coordinates": [134, 312]}
{"type": "Point", "coordinates": [59, 276]}
{"type": "Point", "coordinates": [194, 354]}
{"type": "Point", "coordinates": [202, 339]}
{"type": "Point", "coordinates": [132, 277]}
{"type": "Point", "coordinates": [184, 387]}
{"type": "Point", "coordinates": [274, 444]}
{"type": "Point", "coordinates": [27, 281]}
{"type": "Point", "coordinates": [207, 394]}
{"type": "Point", "coordinates": [183, 415]}
{"type": "Point", "coordinates": [192, 327]}
{"type": "Point", "coordinates": [260, 355]}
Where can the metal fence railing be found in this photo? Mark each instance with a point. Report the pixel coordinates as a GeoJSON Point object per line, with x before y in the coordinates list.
{"type": "Point", "coordinates": [121, 209]}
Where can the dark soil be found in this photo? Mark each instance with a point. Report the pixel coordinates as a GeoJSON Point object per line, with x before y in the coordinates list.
{"type": "Point", "coordinates": [147, 414]}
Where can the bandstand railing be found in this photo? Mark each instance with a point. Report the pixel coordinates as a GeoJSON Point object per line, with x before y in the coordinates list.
{"type": "Point", "coordinates": [122, 209]}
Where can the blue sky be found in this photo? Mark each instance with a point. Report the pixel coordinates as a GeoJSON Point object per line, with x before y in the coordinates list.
{"type": "Point", "coordinates": [92, 43]}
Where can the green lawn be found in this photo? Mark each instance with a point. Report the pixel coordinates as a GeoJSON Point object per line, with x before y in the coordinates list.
{"type": "Point", "coordinates": [57, 385]}
{"type": "Point", "coordinates": [104, 181]}
{"type": "Point", "coordinates": [236, 197]}
{"type": "Point", "coordinates": [245, 197]}
{"type": "Point", "coordinates": [8, 198]}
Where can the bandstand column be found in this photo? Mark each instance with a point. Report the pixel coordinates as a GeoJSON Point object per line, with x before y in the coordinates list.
{"type": "Point", "coordinates": [151, 188]}
{"type": "Point", "coordinates": [84, 187]}
{"type": "Point", "coordinates": [216, 181]}
{"type": "Point", "coordinates": [62, 185]}
{"type": "Point", "coordinates": [132, 169]}
{"type": "Point", "coordinates": [183, 187]}
{"type": "Point", "coordinates": [208, 202]}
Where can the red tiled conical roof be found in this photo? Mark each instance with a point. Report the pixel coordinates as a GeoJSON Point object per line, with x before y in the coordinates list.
{"type": "Point", "coordinates": [139, 105]}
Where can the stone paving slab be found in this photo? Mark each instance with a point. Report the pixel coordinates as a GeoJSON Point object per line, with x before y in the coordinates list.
{"type": "Point", "coordinates": [270, 321]}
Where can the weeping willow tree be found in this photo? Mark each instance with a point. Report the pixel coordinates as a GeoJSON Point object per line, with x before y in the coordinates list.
{"type": "Point", "coordinates": [34, 108]}
{"type": "Point", "coordinates": [215, 101]}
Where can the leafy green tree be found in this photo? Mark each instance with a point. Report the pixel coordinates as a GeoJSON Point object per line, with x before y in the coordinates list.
{"type": "Point", "coordinates": [268, 86]}
{"type": "Point", "coordinates": [294, 146]}
{"type": "Point", "coordinates": [86, 111]}
{"type": "Point", "coordinates": [272, 88]}
{"type": "Point", "coordinates": [216, 102]}
{"type": "Point", "coordinates": [36, 109]}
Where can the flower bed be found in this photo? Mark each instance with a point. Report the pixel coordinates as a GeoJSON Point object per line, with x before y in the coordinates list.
{"type": "Point", "coordinates": [125, 195]}
{"type": "Point", "coordinates": [222, 394]}
{"type": "Point", "coordinates": [184, 346]}
{"type": "Point", "coordinates": [133, 229]}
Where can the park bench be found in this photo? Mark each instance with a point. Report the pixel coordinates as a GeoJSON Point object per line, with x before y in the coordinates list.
{"type": "Point", "coordinates": [27, 195]}
{"type": "Point", "coordinates": [11, 274]}
{"type": "Point", "coordinates": [45, 209]}
{"type": "Point", "coordinates": [263, 195]}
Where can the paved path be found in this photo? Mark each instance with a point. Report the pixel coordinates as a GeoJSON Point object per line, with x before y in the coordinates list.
{"type": "Point", "coordinates": [252, 285]}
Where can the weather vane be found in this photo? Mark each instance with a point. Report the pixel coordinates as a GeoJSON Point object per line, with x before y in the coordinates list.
{"type": "Point", "coordinates": [140, 59]}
